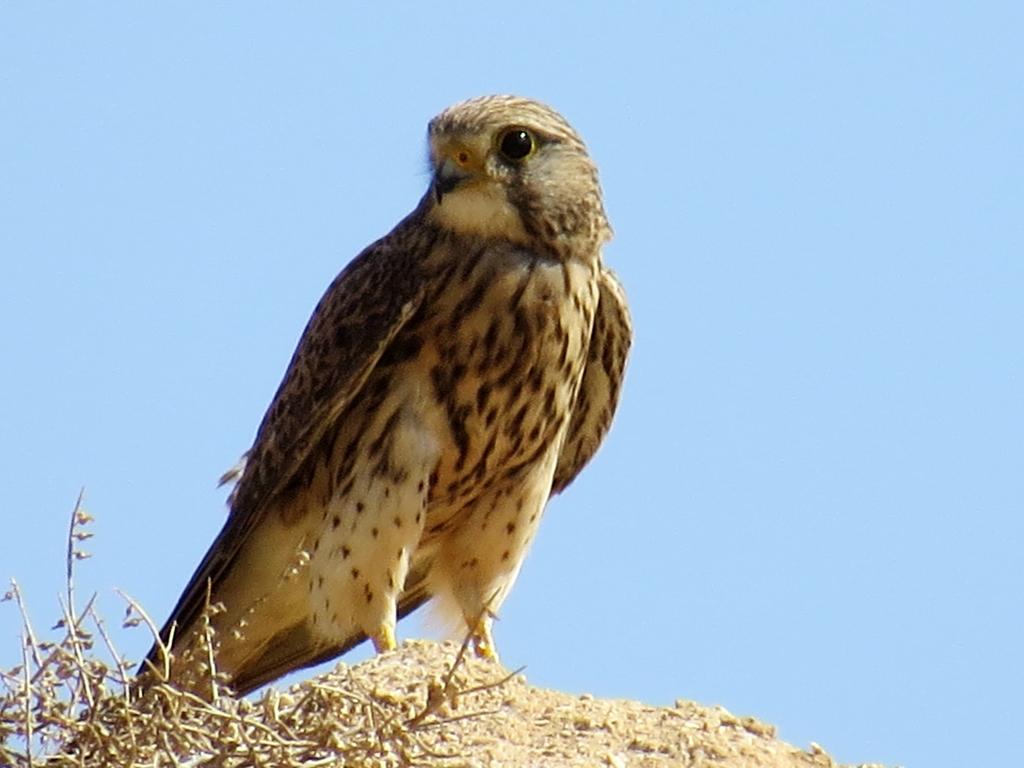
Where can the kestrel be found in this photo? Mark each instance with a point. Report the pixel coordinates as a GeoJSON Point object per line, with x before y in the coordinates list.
{"type": "Point", "coordinates": [454, 376]}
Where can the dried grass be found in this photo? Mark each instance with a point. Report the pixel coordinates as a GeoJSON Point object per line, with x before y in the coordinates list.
{"type": "Point", "coordinates": [71, 703]}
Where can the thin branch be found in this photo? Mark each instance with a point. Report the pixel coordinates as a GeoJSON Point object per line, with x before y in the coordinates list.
{"type": "Point", "coordinates": [26, 623]}
{"type": "Point", "coordinates": [69, 560]}
{"type": "Point", "coordinates": [165, 651]}
{"type": "Point", "coordinates": [27, 693]}
{"type": "Point", "coordinates": [122, 674]}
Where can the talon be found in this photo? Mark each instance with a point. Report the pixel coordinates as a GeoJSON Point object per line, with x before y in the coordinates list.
{"type": "Point", "coordinates": [384, 640]}
{"type": "Point", "coordinates": [485, 649]}
{"type": "Point", "coordinates": [483, 643]}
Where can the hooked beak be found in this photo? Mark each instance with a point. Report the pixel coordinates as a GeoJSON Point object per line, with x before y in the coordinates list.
{"type": "Point", "coordinates": [447, 177]}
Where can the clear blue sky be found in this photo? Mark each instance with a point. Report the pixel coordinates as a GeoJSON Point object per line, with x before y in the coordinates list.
{"type": "Point", "coordinates": [810, 507]}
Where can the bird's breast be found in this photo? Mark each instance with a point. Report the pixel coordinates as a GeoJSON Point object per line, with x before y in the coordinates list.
{"type": "Point", "coordinates": [501, 346]}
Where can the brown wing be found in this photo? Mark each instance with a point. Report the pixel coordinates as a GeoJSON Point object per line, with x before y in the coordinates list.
{"type": "Point", "coordinates": [602, 381]}
{"type": "Point", "coordinates": [358, 316]}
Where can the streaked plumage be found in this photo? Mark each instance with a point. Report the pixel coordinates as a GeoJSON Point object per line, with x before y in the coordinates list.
{"type": "Point", "coordinates": [454, 375]}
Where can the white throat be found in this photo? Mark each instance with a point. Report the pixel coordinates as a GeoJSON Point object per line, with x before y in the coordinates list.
{"type": "Point", "coordinates": [480, 209]}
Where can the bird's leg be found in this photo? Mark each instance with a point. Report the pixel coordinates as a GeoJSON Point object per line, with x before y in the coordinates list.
{"type": "Point", "coordinates": [384, 639]}
{"type": "Point", "coordinates": [480, 634]}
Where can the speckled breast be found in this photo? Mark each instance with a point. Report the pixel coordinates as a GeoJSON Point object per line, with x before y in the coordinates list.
{"type": "Point", "coordinates": [509, 333]}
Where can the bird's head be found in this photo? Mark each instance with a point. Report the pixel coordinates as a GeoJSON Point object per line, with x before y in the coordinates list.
{"type": "Point", "coordinates": [513, 168]}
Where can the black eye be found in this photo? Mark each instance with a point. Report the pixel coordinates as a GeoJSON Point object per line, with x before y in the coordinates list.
{"type": "Point", "coordinates": [515, 144]}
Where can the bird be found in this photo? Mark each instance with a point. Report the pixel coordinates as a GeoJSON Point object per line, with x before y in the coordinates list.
{"type": "Point", "coordinates": [454, 376]}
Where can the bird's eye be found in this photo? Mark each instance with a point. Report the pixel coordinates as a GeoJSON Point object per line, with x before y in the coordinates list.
{"type": "Point", "coordinates": [515, 144]}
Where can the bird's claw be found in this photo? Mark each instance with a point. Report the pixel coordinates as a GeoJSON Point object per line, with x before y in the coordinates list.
{"type": "Point", "coordinates": [483, 643]}
{"type": "Point", "coordinates": [384, 639]}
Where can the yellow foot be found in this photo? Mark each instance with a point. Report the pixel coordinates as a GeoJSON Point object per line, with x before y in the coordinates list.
{"type": "Point", "coordinates": [485, 649]}
{"type": "Point", "coordinates": [384, 639]}
{"type": "Point", "coordinates": [483, 643]}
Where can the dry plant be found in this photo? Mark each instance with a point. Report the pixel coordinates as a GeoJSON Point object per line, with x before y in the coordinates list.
{"type": "Point", "coordinates": [67, 704]}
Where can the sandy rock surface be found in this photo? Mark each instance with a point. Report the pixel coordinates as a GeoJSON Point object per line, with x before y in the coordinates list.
{"type": "Point", "coordinates": [491, 718]}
